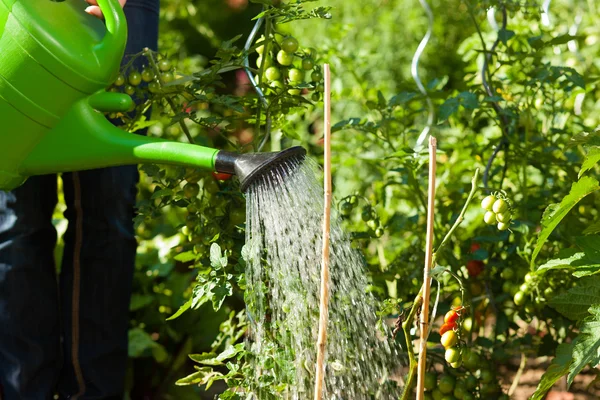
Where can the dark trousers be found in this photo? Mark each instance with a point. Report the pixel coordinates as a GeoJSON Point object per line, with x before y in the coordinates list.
{"type": "Point", "coordinates": [67, 334]}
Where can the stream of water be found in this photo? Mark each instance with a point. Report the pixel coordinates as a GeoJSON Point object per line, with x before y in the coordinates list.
{"type": "Point", "coordinates": [283, 257]}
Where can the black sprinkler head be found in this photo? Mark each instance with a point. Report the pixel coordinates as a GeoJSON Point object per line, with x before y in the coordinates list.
{"type": "Point", "coordinates": [249, 167]}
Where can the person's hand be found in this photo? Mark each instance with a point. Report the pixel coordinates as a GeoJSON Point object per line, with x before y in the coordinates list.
{"type": "Point", "coordinates": [94, 10]}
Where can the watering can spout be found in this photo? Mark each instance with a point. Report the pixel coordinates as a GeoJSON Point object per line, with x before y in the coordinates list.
{"type": "Point", "coordinates": [85, 139]}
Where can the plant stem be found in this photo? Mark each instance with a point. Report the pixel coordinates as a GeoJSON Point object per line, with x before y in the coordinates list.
{"type": "Point", "coordinates": [261, 69]}
{"type": "Point", "coordinates": [427, 269]}
{"type": "Point", "coordinates": [412, 361]}
{"type": "Point", "coordinates": [515, 383]}
{"type": "Point", "coordinates": [324, 303]}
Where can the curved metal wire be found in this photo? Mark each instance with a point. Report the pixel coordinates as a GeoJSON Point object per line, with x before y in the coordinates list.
{"type": "Point", "coordinates": [415, 74]}
{"type": "Point", "coordinates": [546, 12]}
{"type": "Point", "coordinates": [252, 79]}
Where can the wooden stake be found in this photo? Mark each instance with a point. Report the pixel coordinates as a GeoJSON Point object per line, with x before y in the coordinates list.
{"type": "Point", "coordinates": [427, 269]}
{"type": "Point", "coordinates": [324, 301]}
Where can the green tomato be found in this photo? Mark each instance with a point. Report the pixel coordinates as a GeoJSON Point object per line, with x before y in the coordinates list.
{"type": "Point", "coordinates": [273, 73]}
{"type": "Point", "coordinates": [135, 78]}
{"type": "Point", "coordinates": [456, 364]}
{"type": "Point", "coordinates": [315, 97]}
{"type": "Point", "coordinates": [500, 206]}
{"type": "Point", "coordinates": [147, 75]}
{"type": "Point", "coordinates": [489, 218]}
{"type": "Point", "coordinates": [295, 75]}
{"type": "Point", "coordinates": [471, 382]}
{"type": "Point", "coordinates": [379, 232]}
{"type": "Point", "coordinates": [373, 224]}
{"type": "Point", "coordinates": [427, 396]}
{"type": "Point", "coordinates": [467, 324]}
{"type": "Point", "coordinates": [167, 77]}
{"type": "Point", "coordinates": [284, 58]}
{"type": "Point", "coordinates": [486, 376]}
{"type": "Point", "coordinates": [268, 62]}
{"type": "Point", "coordinates": [430, 380]}
{"type": "Point", "coordinates": [446, 384]}
{"type": "Point", "coordinates": [507, 273]}
{"type": "Point", "coordinates": [316, 76]}
{"type": "Point", "coordinates": [130, 90]}
{"type": "Point", "coordinates": [191, 190]}
{"type": "Point", "coordinates": [452, 355]}
{"type": "Point", "coordinates": [289, 44]}
{"type": "Point", "coordinates": [294, 92]}
{"type": "Point", "coordinates": [437, 394]}
{"type": "Point", "coordinates": [502, 226]}
{"type": "Point", "coordinates": [346, 208]}
{"type": "Point", "coordinates": [470, 359]}
{"type": "Point", "coordinates": [460, 390]}
{"type": "Point", "coordinates": [120, 81]}
{"type": "Point", "coordinates": [519, 298]}
{"type": "Point", "coordinates": [488, 202]}
{"type": "Point", "coordinates": [277, 85]}
{"type": "Point", "coordinates": [503, 217]}
{"type": "Point", "coordinates": [164, 65]}
{"type": "Point", "coordinates": [153, 87]}
{"type": "Point", "coordinates": [308, 64]}
{"type": "Point", "coordinates": [310, 52]}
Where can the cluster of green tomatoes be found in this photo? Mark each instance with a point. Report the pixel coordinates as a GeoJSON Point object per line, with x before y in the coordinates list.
{"type": "Point", "coordinates": [368, 214]}
{"type": "Point", "coordinates": [286, 67]}
{"type": "Point", "coordinates": [497, 211]}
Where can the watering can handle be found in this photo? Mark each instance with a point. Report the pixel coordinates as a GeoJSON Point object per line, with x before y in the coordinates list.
{"type": "Point", "coordinates": [116, 27]}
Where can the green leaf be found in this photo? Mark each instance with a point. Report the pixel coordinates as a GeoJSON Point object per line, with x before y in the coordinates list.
{"type": "Point", "coordinates": [214, 359]}
{"type": "Point", "coordinates": [142, 345]}
{"type": "Point", "coordinates": [585, 262]}
{"type": "Point", "coordinates": [449, 107]}
{"type": "Point", "coordinates": [185, 256]}
{"type": "Point", "coordinates": [217, 260]}
{"type": "Point", "coordinates": [584, 139]}
{"type": "Point", "coordinates": [468, 100]}
{"type": "Point", "coordinates": [592, 229]}
{"type": "Point", "coordinates": [592, 158]}
{"type": "Point", "coordinates": [204, 376]}
{"type": "Point", "coordinates": [162, 193]}
{"type": "Point", "coordinates": [504, 35]}
{"type": "Point", "coordinates": [558, 368]}
{"type": "Point", "coordinates": [562, 39]}
{"type": "Point", "coordinates": [140, 301]}
{"type": "Point", "coordinates": [577, 301]}
{"type": "Point", "coordinates": [579, 190]}
{"type": "Point", "coordinates": [220, 293]}
{"type": "Point", "coordinates": [586, 347]}
{"type": "Point", "coordinates": [381, 101]}
{"type": "Point", "coordinates": [181, 310]}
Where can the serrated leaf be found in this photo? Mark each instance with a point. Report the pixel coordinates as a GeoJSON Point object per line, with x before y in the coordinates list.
{"type": "Point", "coordinates": [592, 158]}
{"type": "Point", "coordinates": [185, 256]}
{"type": "Point", "coordinates": [579, 190]}
{"type": "Point", "coordinates": [577, 301]}
{"type": "Point", "coordinates": [585, 262]}
{"type": "Point", "coordinates": [586, 347]}
{"type": "Point", "coordinates": [504, 35]}
{"type": "Point", "coordinates": [592, 229]}
{"type": "Point", "coordinates": [558, 368]}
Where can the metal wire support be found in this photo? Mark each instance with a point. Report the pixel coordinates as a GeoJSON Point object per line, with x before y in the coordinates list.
{"type": "Point", "coordinates": [252, 79]}
{"type": "Point", "coordinates": [415, 74]}
{"type": "Point", "coordinates": [546, 12]}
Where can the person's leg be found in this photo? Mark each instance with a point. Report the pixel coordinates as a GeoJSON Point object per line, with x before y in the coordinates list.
{"type": "Point", "coordinates": [29, 317]}
{"type": "Point", "coordinates": [99, 258]}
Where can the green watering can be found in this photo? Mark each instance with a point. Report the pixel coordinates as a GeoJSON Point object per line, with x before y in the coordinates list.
{"type": "Point", "coordinates": [55, 63]}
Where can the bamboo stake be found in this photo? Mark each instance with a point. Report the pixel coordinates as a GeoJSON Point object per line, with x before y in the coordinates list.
{"type": "Point", "coordinates": [324, 302]}
{"type": "Point", "coordinates": [427, 269]}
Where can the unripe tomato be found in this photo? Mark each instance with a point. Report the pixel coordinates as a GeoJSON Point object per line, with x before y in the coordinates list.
{"type": "Point", "coordinates": [153, 87]}
{"type": "Point", "coordinates": [284, 58]}
{"type": "Point", "coordinates": [130, 90]}
{"type": "Point", "coordinates": [135, 78]}
{"type": "Point", "coordinates": [277, 85]}
{"type": "Point", "coordinates": [488, 202]}
{"type": "Point", "coordinates": [460, 390]}
{"type": "Point", "coordinates": [295, 75]}
{"type": "Point", "coordinates": [346, 208]}
{"type": "Point", "coordinates": [500, 206]}
{"type": "Point", "coordinates": [191, 190]}
{"type": "Point", "coordinates": [471, 382]}
{"type": "Point", "coordinates": [315, 97]}
{"type": "Point", "coordinates": [467, 324]}
{"type": "Point", "coordinates": [147, 75]}
{"type": "Point", "coordinates": [437, 394]}
{"type": "Point", "coordinates": [503, 217]}
{"type": "Point", "coordinates": [519, 298]}
{"type": "Point", "coordinates": [379, 232]}
{"type": "Point", "coordinates": [449, 339]}
{"type": "Point", "coordinates": [289, 44]}
{"type": "Point", "coordinates": [430, 380]}
{"type": "Point", "coordinates": [164, 65]}
{"type": "Point", "coordinates": [268, 62]}
{"type": "Point", "coordinates": [451, 317]}
{"type": "Point", "coordinates": [456, 364]}
{"type": "Point", "coordinates": [490, 218]}
{"type": "Point", "coordinates": [502, 226]}
{"type": "Point", "coordinates": [316, 76]}
{"type": "Point", "coordinates": [120, 81]}
{"type": "Point", "coordinates": [273, 73]}
{"type": "Point", "coordinates": [310, 52]}
{"type": "Point", "coordinates": [486, 376]}
{"type": "Point", "coordinates": [308, 64]}
{"type": "Point", "coordinates": [167, 77]}
{"type": "Point", "coordinates": [446, 384]}
{"type": "Point", "coordinates": [294, 92]}
{"type": "Point", "coordinates": [452, 355]}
